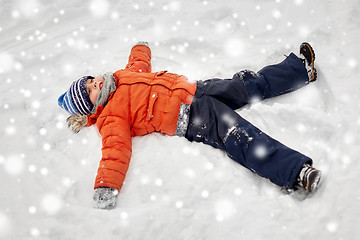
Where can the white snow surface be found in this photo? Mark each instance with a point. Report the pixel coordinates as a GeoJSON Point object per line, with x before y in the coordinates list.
{"type": "Point", "coordinates": [176, 189]}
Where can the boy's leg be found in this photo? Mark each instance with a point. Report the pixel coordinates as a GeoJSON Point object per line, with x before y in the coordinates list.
{"type": "Point", "coordinates": [246, 86]}
{"type": "Point", "coordinates": [214, 123]}
{"type": "Point", "coordinates": [274, 80]}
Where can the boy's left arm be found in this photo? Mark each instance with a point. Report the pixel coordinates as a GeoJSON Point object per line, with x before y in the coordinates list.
{"type": "Point", "coordinates": [116, 153]}
{"type": "Point", "coordinates": [140, 58]}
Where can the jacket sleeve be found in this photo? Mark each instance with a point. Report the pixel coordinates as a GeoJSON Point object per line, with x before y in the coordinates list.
{"type": "Point", "coordinates": [116, 153]}
{"type": "Point", "coordinates": [140, 58]}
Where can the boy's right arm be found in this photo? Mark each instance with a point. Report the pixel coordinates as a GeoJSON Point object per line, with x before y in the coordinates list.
{"type": "Point", "coordinates": [140, 58]}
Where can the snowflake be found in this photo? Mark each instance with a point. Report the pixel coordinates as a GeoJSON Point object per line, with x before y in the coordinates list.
{"type": "Point", "coordinates": [99, 8]}
{"type": "Point", "coordinates": [158, 182]}
{"type": "Point", "coordinates": [205, 194]}
{"type": "Point", "coordinates": [47, 146]}
{"type": "Point", "coordinates": [36, 104]}
{"type": "Point", "coordinates": [29, 8]}
{"type": "Point", "coordinates": [224, 208]}
{"type": "Point", "coordinates": [352, 63]}
{"type": "Point", "coordinates": [276, 14]}
{"type": "Point", "coordinates": [261, 152]}
{"type": "Point", "coordinates": [32, 210]}
{"type": "Point", "coordinates": [304, 31]}
{"type": "Point", "coordinates": [332, 227]}
{"type": "Point", "coordinates": [14, 164]}
{"type": "Point", "coordinates": [4, 224]}
{"type": "Point", "coordinates": [34, 232]}
{"type": "Point", "coordinates": [124, 215]}
{"type": "Point", "coordinates": [179, 204]}
{"type": "Point", "coordinates": [299, 2]}
{"type": "Point", "coordinates": [238, 191]}
{"type": "Point", "coordinates": [51, 203]}
{"type": "Point", "coordinates": [209, 166]}
{"type": "Point", "coordinates": [10, 130]}
{"type": "Point", "coordinates": [175, 6]}
{"type": "Point", "coordinates": [189, 172]}
{"type": "Point", "coordinates": [44, 171]}
{"type": "Point", "coordinates": [6, 62]}
{"type": "Point", "coordinates": [32, 168]}
{"type": "Point", "coordinates": [15, 14]}
{"type": "Point", "coordinates": [234, 47]}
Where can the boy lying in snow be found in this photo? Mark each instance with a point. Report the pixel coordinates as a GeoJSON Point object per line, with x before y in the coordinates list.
{"type": "Point", "coordinates": [135, 101]}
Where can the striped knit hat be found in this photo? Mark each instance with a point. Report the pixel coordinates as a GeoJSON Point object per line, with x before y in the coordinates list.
{"type": "Point", "coordinates": [76, 100]}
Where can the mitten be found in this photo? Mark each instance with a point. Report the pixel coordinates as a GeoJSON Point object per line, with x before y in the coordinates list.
{"type": "Point", "coordinates": [142, 43]}
{"type": "Point", "coordinates": [105, 198]}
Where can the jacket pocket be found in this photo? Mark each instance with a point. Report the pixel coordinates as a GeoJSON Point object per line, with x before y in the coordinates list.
{"type": "Point", "coordinates": [152, 100]}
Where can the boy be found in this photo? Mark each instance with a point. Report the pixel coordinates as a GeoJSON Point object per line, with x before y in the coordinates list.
{"type": "Point", "coordinates": [135, 101]}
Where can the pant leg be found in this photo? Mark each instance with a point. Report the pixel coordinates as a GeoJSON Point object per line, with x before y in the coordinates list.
{"type": "Point", "coordinates": [278, 79]}
{"type": "Point", "coordinates": [246, 85]}
{"type": "Point", "coordinates": [214, 123]}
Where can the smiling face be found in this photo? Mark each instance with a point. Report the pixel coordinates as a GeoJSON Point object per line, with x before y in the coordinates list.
{"type": "Point", "coordinates": [93, 87]}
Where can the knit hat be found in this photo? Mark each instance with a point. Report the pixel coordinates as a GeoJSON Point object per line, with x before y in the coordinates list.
{"type": "Point", "coordinates": [76, 100]}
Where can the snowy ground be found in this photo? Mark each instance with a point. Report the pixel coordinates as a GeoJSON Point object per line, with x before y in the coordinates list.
{"type": "Point", "coordinates": [176, 189]}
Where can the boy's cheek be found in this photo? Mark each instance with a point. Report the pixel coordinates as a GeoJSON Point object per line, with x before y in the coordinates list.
{"type": "Point", "coordinates": [93, 97]}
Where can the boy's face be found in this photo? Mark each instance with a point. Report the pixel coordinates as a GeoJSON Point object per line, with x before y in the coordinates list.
{"type": "Point", "coordinates": [93, 87]}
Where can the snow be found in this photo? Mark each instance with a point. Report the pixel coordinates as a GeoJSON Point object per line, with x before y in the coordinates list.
{"type": "Point", "coordinates": [175, 189]}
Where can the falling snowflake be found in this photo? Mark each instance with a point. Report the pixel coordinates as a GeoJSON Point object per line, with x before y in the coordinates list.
{"type": "Point", "coordinates": [174, 6]}
{"type": "Point", "coordinates": [14, 165]}
{"type": "Point", "coordinates": [189, 172]}
{"type": "Point", "coordinates": [276, 14]}
{"type": "Point", "coordinates": [32, 210]}
{"type": "Point", "coordinates": [124, 215]}
{"type": "Point", "coordinates": [47, 146]}
{"type": "Point", "coordinates": [238, 191]}
{"type": "Point", "coordinates": [4, 224]}
{"type": "Point", "coordinates": [10, 130]}
{"type": "Point", "coordinates": [32, 168]}
{"type": "Point", "coordinates": [234, 47]}
{"type": "Point", "coordinates": [51, 203]}
{"type": "Point", "coordinates": [158, 182]}
{"type": "Point", "coordinates": [332, 227]}
{"type": "Point", "coordinates": [304, 31]}
{"type": "Point", "coordinates": [205, 194]}
{"type": "Point", "coordinates": [352, 63]}
{"type": "Point", "coordinates": [260, 151]}
{"type": "Point", "coordinates": [6, 62]}
{"type": "Point", "coordinates": [44, 171]}
{"type": "Point", "coordinates": [34, 232]}
{"type": "Point", "coordinates": [99, 8]}
{"type": "Point", "coordinates": [224, 208]}
{"type": "Point", "coordinates": [179, 204]}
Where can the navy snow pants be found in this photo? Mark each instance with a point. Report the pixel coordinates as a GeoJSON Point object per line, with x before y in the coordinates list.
{"type": "Point", "coordinates": [213, 119]}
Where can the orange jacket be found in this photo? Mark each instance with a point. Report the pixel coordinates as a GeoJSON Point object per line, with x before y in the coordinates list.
{"type": "Point", "coordinates": [143, 102]}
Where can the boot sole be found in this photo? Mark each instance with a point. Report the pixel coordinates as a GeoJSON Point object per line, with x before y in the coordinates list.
{"type": "Point", "coordinates": [312, 53]}
{"type": "Point", "coordinates": [314, 183]}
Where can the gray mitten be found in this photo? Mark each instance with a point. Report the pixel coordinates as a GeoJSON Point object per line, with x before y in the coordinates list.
{"type": "Point", "coordinates": [142, 43]}
{"type": "Point", "coordinates": [105, 198]}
